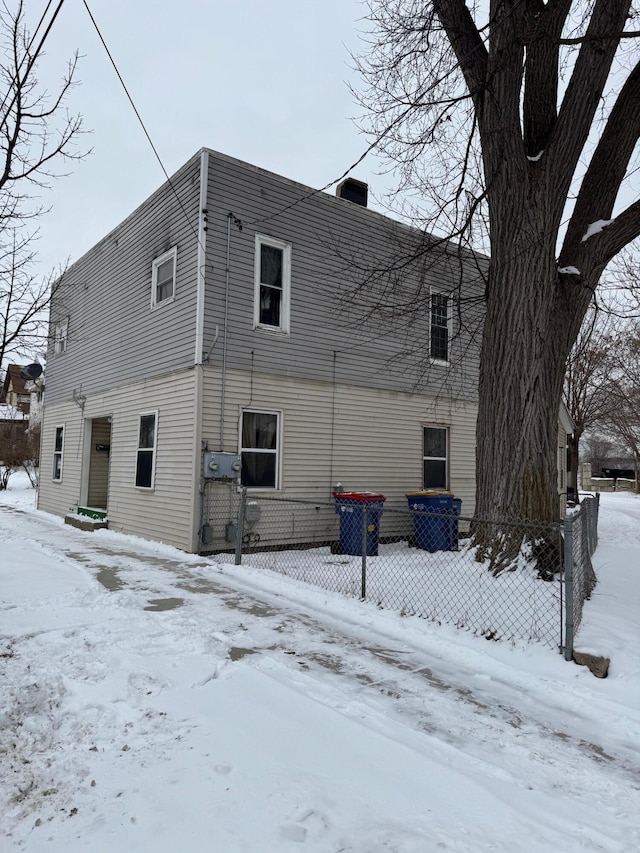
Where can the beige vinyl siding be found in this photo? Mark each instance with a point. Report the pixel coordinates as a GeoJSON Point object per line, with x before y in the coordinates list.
{"type": "Point", "coordinates": [366, 439]}
{"type": "Point", "coordinates": [165, 513]}
{"type": "Point", "coordinates": [332, 241]}
{"type": "Point", "coordinates": [53, 496]}
{"type": "Point", "coordinates": [115, 336]}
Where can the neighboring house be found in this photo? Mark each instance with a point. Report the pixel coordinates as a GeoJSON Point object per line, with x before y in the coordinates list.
{"type": "Point", "coordinates": [14, 392]}
{"type": "Point", "coordinates": [213, 318]}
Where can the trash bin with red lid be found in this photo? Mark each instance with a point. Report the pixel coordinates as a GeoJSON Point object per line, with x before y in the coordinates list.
{"type": "Point", "coordinates": [356, 511]}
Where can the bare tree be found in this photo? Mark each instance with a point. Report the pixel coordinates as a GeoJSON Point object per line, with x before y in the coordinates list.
{"type": "Point", "coordinates": [37, 136]}
{"type": "Point", "coordinates": [513, 107]}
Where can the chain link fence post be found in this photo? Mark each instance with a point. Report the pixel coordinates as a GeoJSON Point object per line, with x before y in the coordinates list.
{"type": "Point", "coordinates": [568, 588]}
{"type": "Point", "coordinates": [363, 581]}
{"type": "Point", "coordinates": [240, 526]}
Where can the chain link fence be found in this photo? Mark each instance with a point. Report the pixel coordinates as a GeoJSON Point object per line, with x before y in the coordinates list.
{"type": "Point", "coordinates": [496, 579]}
{"type": "Point", "coordinates": [581, 540]}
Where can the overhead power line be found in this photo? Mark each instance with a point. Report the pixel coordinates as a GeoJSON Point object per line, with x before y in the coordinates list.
{"type": "Point", "coordinates": [139, 117]}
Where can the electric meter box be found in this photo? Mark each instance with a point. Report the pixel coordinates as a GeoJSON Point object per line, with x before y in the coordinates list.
{"type": "Point", "coordinates": [221, 466]}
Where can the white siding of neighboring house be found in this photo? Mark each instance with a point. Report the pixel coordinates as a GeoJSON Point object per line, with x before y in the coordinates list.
{"type": "Point", "coordinates": [366, 439]}
{"type": "Point", "coordinates": [165, 513]}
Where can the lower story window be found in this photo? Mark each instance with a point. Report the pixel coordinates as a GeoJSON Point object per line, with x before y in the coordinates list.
{"type": "Point", "coordinates": [259, 440]}
{"type": "Point", "coordinates": [58, 449]}
{"type": "Point", "coordinates": [146, 453]}
{"type": "Point", "coordinates": [435, 457]}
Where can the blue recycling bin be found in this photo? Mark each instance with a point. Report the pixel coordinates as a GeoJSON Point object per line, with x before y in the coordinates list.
{"type": "Point", "coordinates": [350, 507]}
{"type": "Point", "coordinates": [435, 519]}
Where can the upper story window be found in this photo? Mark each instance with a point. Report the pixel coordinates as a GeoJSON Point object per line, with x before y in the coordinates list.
{"type": "Point", "coordinates": [440, 327]}
{"type": "Point", "coordinates": [146, 453]}
{"type": "Point", "coordinates": [163, 278]}
{"type": "Point", "coordinates": [260, 449]}
{"type": "Point", "coordinates": [435, 457]}
{"type": "Point", "coordinates": [60, 335]}
{"type": "Point", "coordinates": [272, 284]}
{"type": "Point", "coordinates": [58, 450]}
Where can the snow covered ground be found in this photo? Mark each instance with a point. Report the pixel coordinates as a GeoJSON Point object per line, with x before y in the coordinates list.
{"type": "Point", "coordinates": [155, 701]}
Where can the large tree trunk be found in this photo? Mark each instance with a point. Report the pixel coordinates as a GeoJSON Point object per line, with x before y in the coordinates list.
{"type": "Point", "coordinates": [519, 394]}
{"type": "Point", "coordinates": [532, 312]}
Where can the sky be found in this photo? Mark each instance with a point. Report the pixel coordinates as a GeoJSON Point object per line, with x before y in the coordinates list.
{"type": "Point", "coordinates": [264, 82]}
{"type": "Point", "coordinates": [156, 700]}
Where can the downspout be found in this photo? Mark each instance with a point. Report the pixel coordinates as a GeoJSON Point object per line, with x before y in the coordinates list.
{"type": "Point", "coordinates": [223, 379]}
{"type": "Point", "coordinates": [198, 390]}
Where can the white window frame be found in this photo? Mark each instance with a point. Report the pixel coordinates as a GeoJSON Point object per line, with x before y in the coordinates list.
{"type": "Point", "coordinates": [447, 296]}
{"type": "Point", "coordinates": [155, 266]}
{"type": "Point", "coordinates": [277, 452]}
{"type": "Point", "coordinates": [285, 305]}
{"type": "Point", "coordinates": [444, 458]}
{"type": "Point", "coordinates": [60, 335]}
{"type": "Point", "coordinates": [58, 454]}
{"type": "Point", "coordinates": [154, 451]}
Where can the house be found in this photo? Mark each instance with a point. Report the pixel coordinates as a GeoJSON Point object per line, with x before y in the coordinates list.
{"type": "Point", "coordinates": [14, 391]}
{"type": "Point", "coordinates": [231, 316]}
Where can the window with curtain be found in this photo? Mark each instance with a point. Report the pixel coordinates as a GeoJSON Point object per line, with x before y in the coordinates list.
{"type": "Point", "coordinates": [259, 436]}
{"type": "Point", "coordinates": [164, 277]}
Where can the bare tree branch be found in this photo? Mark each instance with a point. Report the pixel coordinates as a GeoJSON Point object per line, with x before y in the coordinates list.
{"type": "Point", "coordinates": [36, 136]}
{"type": "Point", "coordinates": [584, 92]}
